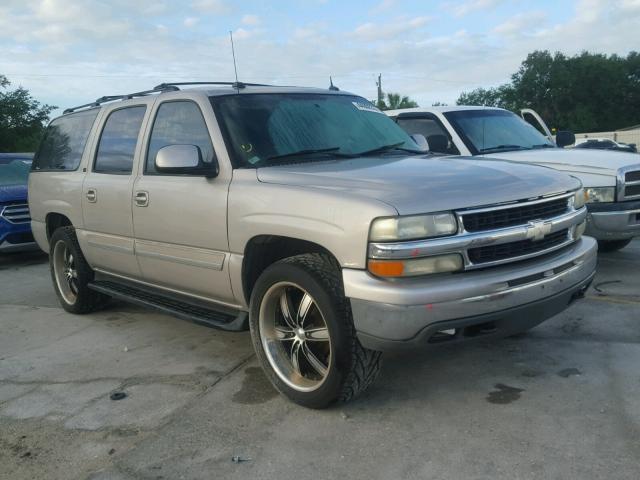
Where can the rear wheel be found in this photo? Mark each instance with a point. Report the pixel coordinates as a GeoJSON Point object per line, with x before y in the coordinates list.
{"type": "Point", "coordinates": [71, 273]}
{"type": "Point", "coordinates": [613, 245]}
{"type": "Point", "coordinates": [303, 333]}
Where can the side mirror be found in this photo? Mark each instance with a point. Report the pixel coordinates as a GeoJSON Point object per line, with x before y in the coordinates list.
{"type": "Point", "coordinates": [438, 143]}
{"type": "Point", "coordinates": [564, 138]}
{"type": "Point", "coordinates": [420, 141]}
{"type": "Point", "coordinates": [183, 160]}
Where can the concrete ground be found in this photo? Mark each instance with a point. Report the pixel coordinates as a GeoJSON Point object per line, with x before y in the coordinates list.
{"type": "Point", "coordinates": [562, 401]}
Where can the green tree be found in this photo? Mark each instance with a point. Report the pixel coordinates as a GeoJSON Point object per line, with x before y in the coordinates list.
{"type": "Point", "coordinates": [394, 101]}
{"type": "Point", "coordinates": [501, 96]}
{"type": "Point", "coordinates": [584, 93]}
{"type": "Point", "coordinates": [22, 119]}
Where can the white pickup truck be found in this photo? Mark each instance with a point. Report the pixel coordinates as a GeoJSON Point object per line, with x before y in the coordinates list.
{"type": "Point", "coordinates": [611, 179]}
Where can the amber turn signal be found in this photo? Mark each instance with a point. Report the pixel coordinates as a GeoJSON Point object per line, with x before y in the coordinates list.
{"type": "Point", "coordinates": [386, 268]}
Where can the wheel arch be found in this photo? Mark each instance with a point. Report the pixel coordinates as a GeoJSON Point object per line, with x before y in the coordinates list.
{"type": "Point", "coordinates": [261, 251]}
{"type": "Point", "coordinates": [55, 220]}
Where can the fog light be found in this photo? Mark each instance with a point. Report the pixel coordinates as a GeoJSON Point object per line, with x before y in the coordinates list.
{"type": "Point", "coordinates": [416, 266]}
{"type": "Point", "coordinates": [579, 231]}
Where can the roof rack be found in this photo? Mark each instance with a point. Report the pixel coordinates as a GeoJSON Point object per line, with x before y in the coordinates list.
{"type": "Point", "coordinates": [236, 85]}
{"type": "Point", "coordinates": [163, 87]}
{"type": "Point", "coordinates": [110, 98]}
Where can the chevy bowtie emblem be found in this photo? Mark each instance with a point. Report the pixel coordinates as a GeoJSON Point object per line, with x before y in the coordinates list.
{"type": "Point", "coordinates": [536, 230]}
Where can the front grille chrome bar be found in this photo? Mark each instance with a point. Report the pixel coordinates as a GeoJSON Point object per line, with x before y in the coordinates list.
{"type": "Point", "coordinates": [464, 241]}
{"type": "Point", "coordinates": [623, 184]}
{"type": "Point", "coordinates": [16, 213]}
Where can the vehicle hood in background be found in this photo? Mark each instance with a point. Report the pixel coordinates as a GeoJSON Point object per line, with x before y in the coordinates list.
{"type": "Point", "coordinates": [425, 183]}
{"type": "Point", "coordinates": [13, 193]}
{"type": "Point", "coordinates": [593, 162]}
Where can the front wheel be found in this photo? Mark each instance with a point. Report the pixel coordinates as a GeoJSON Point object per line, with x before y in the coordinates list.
{"type": "Point", "coordinates": [613, 245]}
{"type": "Point", "coordinates": [303, 333]}
{"type": "Point", "coordinates": [71, 273]}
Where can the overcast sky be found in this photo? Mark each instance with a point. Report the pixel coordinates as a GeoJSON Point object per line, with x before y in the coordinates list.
{"type": "Point", "coordinates": [69, 52]}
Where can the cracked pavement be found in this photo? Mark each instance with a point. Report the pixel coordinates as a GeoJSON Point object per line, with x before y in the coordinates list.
{"type": "Point", "coordinates": [562, 401]}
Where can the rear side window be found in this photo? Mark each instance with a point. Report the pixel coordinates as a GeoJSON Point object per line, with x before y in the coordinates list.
{"type": "Point", "coordinates": [64, 141]}
{"type": "Point", "coordinates": [438, 138]}
{"type": "Point", "coordinates": [118, 141]}
{"type": "Point", "coordinates": [425, 126]}
{"type": "Point", "coordinates": [179, 123]}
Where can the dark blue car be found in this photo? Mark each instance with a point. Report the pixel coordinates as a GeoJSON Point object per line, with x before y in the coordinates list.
{"type": "Point", "coordinates": [15, 221]}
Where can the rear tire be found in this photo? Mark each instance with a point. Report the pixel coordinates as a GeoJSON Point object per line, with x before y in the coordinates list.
{"type": "Point", "coordinates": [302, 331]}
{"type": "Point", "coordinates": [612, 245]}
{"type": "Point", "coordinates": [71, 274]}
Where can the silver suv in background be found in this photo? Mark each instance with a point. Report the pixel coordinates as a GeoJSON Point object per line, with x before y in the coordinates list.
{"type": "Point", "coordinates": [307, 216]}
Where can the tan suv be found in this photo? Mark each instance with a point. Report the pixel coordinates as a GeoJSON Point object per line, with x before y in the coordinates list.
{"type": "Point", "coordinates": [307, 215]}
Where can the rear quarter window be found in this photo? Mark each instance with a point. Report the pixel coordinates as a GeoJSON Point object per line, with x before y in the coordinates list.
{"type": "Point", "coordinates": [64, 142]}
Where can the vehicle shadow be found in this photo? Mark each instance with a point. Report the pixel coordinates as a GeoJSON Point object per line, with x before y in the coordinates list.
{"type": "Point", "coordinates": [468, 372]}
{"type": "Point", "coordinates": [22, 259]}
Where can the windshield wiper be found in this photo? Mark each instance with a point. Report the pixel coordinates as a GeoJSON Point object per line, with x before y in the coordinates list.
{"type": "Point", "coordinates": [504, 147]}
{"type": "Point", "coordinates": [301, 153]}
{"type": "Point", "coordinates": [543, 145]}
{"type": "Point", "coordinates": [386, 148]}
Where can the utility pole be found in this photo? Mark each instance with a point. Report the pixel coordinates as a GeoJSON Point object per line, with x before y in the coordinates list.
{"type": "Point", "coordinates": [379, 85]}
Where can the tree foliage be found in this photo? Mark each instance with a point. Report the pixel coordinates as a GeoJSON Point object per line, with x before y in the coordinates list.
{"type": "Point", "coordinates": [394, 101]}
{"type": "Point", "coordinates": [22, 119]}
{"type": "Point", "coordinates": [584, 93]}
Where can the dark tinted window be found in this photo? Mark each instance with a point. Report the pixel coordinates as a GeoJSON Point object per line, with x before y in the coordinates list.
{"type": "Point", "coordinates": [533, 121]}
{"type": "Point", "coordinates": [118, 140]}
{"type": "Point", "coordinates": [438, 138]}
{"type": "Point", "coordinates": [179, 123]}
{"type": "Point", "coordinates": [64, 141]}
{"type": "Point", "coordinates": [425, 126]}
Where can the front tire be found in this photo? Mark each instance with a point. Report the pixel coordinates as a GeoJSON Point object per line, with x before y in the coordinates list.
{"type": "Point", "coordinates": [303, 333]}
{"type": "Point", "coordinates": [71, 274]}
{"type": "Point", "coordinates": [613, 245]}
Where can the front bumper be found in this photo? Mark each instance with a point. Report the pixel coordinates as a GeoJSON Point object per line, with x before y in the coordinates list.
{"type": "Point", "coordinates": [492, 302]}
{"type": "Point", "coordinates": [613, 221]}
{"type": "Point", "coordinates": [16, 237]}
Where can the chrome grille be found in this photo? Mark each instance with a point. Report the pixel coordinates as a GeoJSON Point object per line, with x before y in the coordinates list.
{"type": "Point", "coordinates": [629, 183]}
{"type": "Point", "coordinates": [505, 233]}
{"type": "Point", "coordinates": [514, 215]}
{"type": "Point", "coordinates": [16, 213]}
{"type": "Point", "coordinates": [494, 253]}
{"type": "Point", "coordinates": [632, 191]}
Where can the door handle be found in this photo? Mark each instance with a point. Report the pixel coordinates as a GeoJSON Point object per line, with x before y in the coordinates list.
{"type": "Point", "coordinates": [142, 199]}
{"type": "Point", "coordinates": [92, 195]}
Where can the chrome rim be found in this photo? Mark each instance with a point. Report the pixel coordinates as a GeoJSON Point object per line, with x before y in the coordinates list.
{"type": "Point", "coordinates": [64, 268]}
{"type": "Point", "coordinates": [295, 337]}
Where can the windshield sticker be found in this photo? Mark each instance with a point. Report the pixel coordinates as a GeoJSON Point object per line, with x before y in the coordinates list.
{"type": "Point", "coordinates": [366, 107]}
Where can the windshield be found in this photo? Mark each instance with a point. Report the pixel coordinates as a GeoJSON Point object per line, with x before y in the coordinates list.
{"type": "Point", "coordinates": [14, 173]}
{"type": "Point", "coordinates": [487, 131]}
{"type": "Point", "coordinates": [267, 129]}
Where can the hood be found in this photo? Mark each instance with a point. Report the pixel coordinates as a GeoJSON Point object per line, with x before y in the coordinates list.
{"type": "Point", "coordinates": [425, 183]}
{"type": "Point", "coordinates": [13, 193]}
{"type": "Point", "coordinates": [593, 167]}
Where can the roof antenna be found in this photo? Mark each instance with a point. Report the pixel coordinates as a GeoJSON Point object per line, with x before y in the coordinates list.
{"type": "Point", "coordinates": [332, 86]}
{"type": "Point", "coordinates": [237, 85]}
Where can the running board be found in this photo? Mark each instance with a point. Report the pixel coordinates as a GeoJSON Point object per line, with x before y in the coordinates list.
{"type": "Point", "coordinates": [231, 320]}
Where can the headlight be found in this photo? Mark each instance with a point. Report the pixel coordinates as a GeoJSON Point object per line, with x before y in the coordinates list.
{"type": "Point", "coordinates": [416, 266]}
{"type": "Point", "coordinates": [413, 227]}
{"type": "Point", "coordinates": [579, 199]}
{"type": "Point", "coordinates": [600, 194]}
